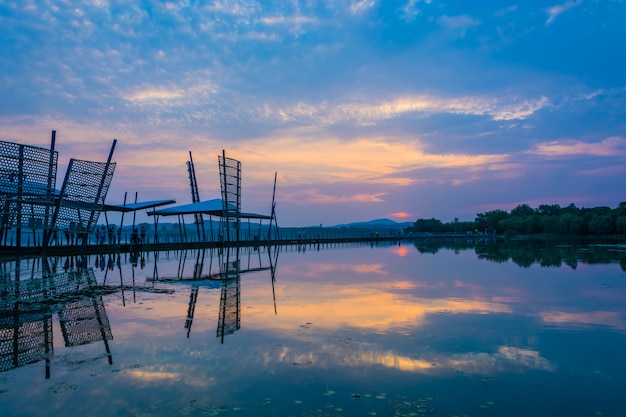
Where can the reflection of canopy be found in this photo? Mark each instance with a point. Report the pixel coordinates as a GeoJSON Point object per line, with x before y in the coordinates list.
{"type": "Point", "coordinates": [211, 207]}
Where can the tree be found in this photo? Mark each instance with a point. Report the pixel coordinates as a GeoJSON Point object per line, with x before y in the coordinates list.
{"type": "Point", "coordinates": [570, 224]}
{"type": "Point", "coordinates": [490, 221]}
{"type": "Point", "coordinates": [522, 210]}
{"type": "Point", "coordinates": [602, 224]}
{"type": "Point", "coordinates": [549, 210]}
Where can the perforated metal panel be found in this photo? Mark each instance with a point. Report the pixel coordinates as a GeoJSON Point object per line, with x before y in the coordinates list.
{"type": "Point", "coordinates": [84, 190]}
{"type": "Point", "coordinates": [27, 186]}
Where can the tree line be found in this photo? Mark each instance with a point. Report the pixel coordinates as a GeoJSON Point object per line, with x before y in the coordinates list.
{"type": "Point", "coordinates": [545, 219]}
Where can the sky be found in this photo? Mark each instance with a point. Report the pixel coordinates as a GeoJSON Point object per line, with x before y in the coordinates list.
{"type": "Point", "coordinates": [365, 109]}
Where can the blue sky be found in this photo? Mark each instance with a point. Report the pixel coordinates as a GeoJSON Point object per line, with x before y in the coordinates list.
{"type": "Point", "coordinates": [366, 109]}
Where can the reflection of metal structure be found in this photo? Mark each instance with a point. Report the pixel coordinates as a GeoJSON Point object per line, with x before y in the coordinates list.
{"type": "Point", "coordinates": [193, 299]}
{"type": "Point", "coordinates": [230, 182]}
{"type": "Point", "coordinates": [37, 291]}
{"type": "Point", "coordinates": [85, 321]}
{"type": "Point", "coordinates": [27, 187]}
{"type": "Point", "coordinates": [25, 338]}
{"type": "Point", "coordinates": [230, 301]}
{"type": "Point", "coordinates": [26, 307]}
{"type": "Point", "coordinates": [232, 264]}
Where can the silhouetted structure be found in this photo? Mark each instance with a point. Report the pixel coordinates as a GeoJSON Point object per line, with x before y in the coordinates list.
{"type": "Point", "coordinates": [27, 188]}
{"type": "Point", "coordinates": [29, 199]}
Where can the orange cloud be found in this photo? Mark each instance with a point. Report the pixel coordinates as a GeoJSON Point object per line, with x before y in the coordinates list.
{"type": "Point", "coordinates": [401, 214]}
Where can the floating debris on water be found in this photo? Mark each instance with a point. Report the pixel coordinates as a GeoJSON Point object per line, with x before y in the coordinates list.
{"type": "Point", "coordinates": [62, 387]}
{"type": "Point", "coordinates": [486, 405]}
{"type": "Point", "coordinates": [419, 408]}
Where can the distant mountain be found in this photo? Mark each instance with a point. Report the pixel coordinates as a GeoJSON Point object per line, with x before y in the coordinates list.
{"type": "Point", "coordinates": [378, 223]}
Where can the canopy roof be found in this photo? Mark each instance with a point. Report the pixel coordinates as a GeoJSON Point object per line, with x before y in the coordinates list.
{"type": "Point", "coordinates": [210, 207]}
{"type": "Point", "coordinates": [129, 207]}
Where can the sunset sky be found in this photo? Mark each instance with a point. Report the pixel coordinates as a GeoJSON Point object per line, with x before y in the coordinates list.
{"type": "Point", "coordinates": [366, 109]}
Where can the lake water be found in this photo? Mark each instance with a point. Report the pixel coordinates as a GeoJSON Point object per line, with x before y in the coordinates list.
{"type": "Point", "coordinates": [461, 329]}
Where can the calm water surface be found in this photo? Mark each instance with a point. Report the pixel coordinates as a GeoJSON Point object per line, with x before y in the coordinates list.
{"type": "Point", "coordinates": [475, 329]}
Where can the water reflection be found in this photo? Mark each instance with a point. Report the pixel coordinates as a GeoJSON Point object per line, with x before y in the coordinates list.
{"type": "Point", "coordinates": [385, 329]}
{"type": "Point", "coordinates": [227, 278]}
{"type": "Point", "coordinates": [27, 307]}
{"type": "Point", "coordinates": [525, 253]}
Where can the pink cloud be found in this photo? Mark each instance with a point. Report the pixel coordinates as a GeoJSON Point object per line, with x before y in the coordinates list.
{"type": "Point", "coordinates": [608, 147]}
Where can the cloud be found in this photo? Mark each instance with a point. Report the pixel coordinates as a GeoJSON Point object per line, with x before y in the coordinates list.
{"type": "Point", "coordinates": [317, 196]}
{"type": "Point", "coordinates": [362, 6]}
{"type": "Point", "coordinates": [612, 146]}
{"type": "Point", "coordinates": [155, 94]}
{"type": "Point", "coordinates": [409, 11]}
{"type": "Point", "coordinates": [554, 11]}
{"type": "Point", "coordinates": [316, 159]}
{"type": "Point", "coordinates": [501, 108]}
{"type": "Point", "coordinates": [605, 318]}
{"type": "Point", "coordinates": [505, 11]}
{"type": "Point", "coordinates": [460, 22]}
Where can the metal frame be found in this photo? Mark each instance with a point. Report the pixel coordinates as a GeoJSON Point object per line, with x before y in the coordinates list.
{"type": "Point", "coordinates": [28, 198]}
{"type": "Point", "coordinates": [82, 196]}
{"type": "Point", "coordinates": [230, 184]}
{"type": "Point", "coordinates": [27, 188]}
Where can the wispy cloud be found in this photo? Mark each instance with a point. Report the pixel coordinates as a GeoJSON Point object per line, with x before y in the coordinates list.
{"type": "Point", "coordinates": [409, 11]}
{"type": "Point", "coordinates": [361, 6]}
{"type": "Point", "coordinates": [506, 10]}
{"type": "Point", "coordinates": [613, 146]}
{"type": "Point", "coordinates": [460, 22]}
{"type": "Point", "coordinates": [495, 108]}
{"type": "Point", "coordinates": [554, 11]}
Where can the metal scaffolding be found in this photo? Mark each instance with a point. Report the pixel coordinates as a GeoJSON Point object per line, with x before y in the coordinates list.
{"type": "Point", "coordinates": [27, 189]}
{"type": "Point", "coordinates": [230, 182]}
{"type": "Point", "coordinates": [29, 200]}
{"type": "Point", "coordinates": [82, 196]}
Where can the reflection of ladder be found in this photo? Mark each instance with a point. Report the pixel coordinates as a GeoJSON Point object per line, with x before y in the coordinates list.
{"type": "Point", "coordinates": [195, 196]}
{"type": "Point", "coordinates": [229, 320]}
{"type": "Point", "coordinates": [193, 299]}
